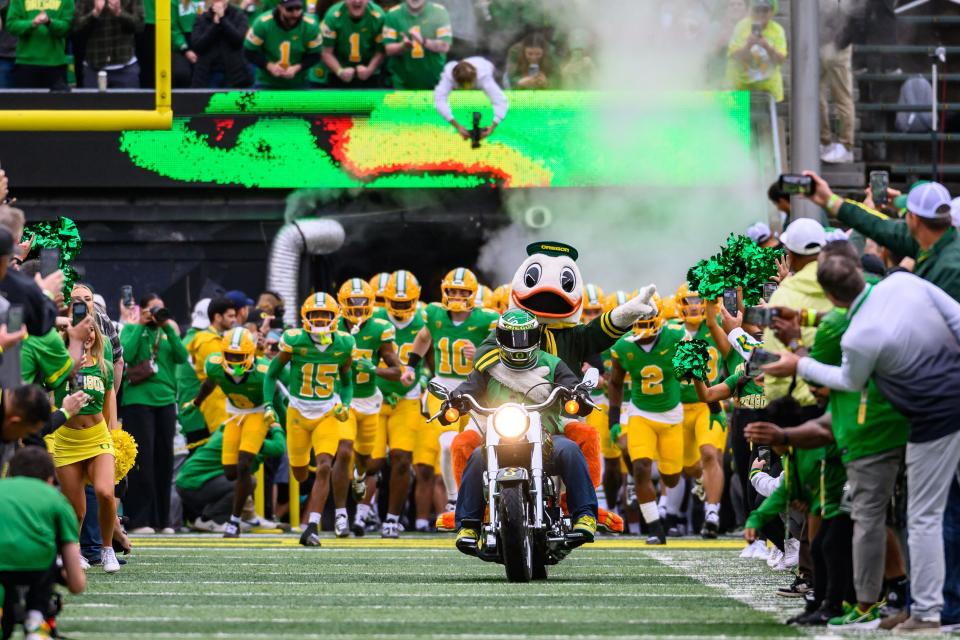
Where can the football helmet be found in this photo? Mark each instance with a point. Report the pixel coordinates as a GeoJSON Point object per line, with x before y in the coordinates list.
{"type": "Point", "coordinates": [670, 309]}
{"type": "Point", "coordinates": [239, 351]}
{"type": "Point", "coordinates": [484, 298]}
{"type": "Point", "coordinates": [402, 293]}
{"type": "Point", "coordinates": [356, 300]}
{"type": "Point", "coordinates": [593, 302]}
{"type": "Point", "coordinates": [618, 298]}
{"type": "Point", "coordinates": [378, 283]}
{"type": "Point", "coordinates": [458, 290]}
{"type": "Point", "coordinates": [647, 328]}
{"type": "Point", "coordinates": [501, 298]}
{"type": "Point", "coordinates": [518, 338]}
{"type": "Point", "coordinates": [319, 314]}
{"type": "Point", "coordinates": [690, 304]}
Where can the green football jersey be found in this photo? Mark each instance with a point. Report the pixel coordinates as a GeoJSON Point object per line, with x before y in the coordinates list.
{"type": "Point", "coordinates": [246, 393]}
{"type": "Point", "coordinates": [450, 340]}
{"type": "Point", "coordinates": [45, 360]}
{"type": "Point", "coordinates": [373, 334]}
{"type": "Point", "coordinates": [93, 381]}
{"type": "Point", "coordinates": [688, 394]}
{"type": "Point", "coordinates": [287, 47]}
{"type": "Point", "coordinates": [354, 42]}
{"type": "Point", "coordinates": [404, 337]}
{"type": "Point", "coordinates": [416, 67]}
{"type": "Point", "coordinates": [315, 371]}
{"type": "Point", "coordinates": [655, 388]}
{"type": "Point", "coordinates": [751, 395]}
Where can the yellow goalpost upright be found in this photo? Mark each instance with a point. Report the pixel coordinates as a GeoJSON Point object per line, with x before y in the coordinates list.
{"type": "Point", "coordinates": [160, 117]}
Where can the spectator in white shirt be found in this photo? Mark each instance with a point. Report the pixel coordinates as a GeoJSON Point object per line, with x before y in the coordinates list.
{"type": "Point", "coordinates": [471, 73]}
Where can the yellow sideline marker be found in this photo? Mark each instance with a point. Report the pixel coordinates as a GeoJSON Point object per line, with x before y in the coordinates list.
{"type": "Point", "coordinates": [161, 117]}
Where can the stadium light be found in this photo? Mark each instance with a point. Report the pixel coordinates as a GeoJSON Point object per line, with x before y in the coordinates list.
{"type": "Point", "coordinates": [160, 117]}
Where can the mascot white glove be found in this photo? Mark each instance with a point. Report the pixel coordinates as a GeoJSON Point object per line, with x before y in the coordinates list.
{"type": "Point", "coordinates": [640, 307]}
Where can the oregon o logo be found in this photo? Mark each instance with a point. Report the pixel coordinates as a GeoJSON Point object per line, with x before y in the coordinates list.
{"type": "Point", "coordinates": [538, 217]}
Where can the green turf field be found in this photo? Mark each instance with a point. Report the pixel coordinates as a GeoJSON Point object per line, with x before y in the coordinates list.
{"type": "Point", "coordinates": [268, 587]}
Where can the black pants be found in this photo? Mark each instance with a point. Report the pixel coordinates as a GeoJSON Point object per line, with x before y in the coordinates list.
{"type": "Point", "coordinates": [34, 76]}
{"type": "Point", "coordinates": [212, 501]}
{"type": "Point", "coordinates": [39, 592]}
{"type": "Point", "coordinates": [147, 502]}
{"type": "Point", "coordinates": [833, 562]}
{"type": "Point", "coordinates": [145, 47]}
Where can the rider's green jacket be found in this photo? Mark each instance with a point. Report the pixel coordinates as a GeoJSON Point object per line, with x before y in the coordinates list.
{"type": "Point", "coordinates": [497, 385]}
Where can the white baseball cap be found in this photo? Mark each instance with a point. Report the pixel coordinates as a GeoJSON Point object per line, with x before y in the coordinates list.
{"type": "Point", "coordinates": [804, 237]}
{"type": "Point", "coordinates": [926, 199]}
{"type": "Point", "coordinates": [199, 319]}
{"type": "Point", "coordinates": [955, 211]}
{"type": "Point", "coordinates": [759, 232]}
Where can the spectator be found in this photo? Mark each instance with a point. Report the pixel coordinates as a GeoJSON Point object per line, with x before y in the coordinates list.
{"type": "Point", "coordinates": [757, 49]}
{"type": "Point", "coordinates": [241, 302]}
{"type": "Point", "coordinates": [475, 72]}
{"type": "Point", "coordinates": [353, 44]}
{"type": "Point", "coordinates": [23, 412]}
{"type": "Point", "coordinates": [110, 27]}
{"type": "Point", "coordinates": [8, 50]}
{"type": "Point", "coordinates": [217, 40]}
{"type": "Point", "coordinates": [41, 30]}
{"type": "Point", "coordinates": [466, 29]}
{"type": "Point", "coordinates": [205, 489]}
{"type": "Point", "coordinates": [270, 304]}
{"type": "Point", "coordinates": [528, 66]}
{"type": "Point", "coordinates": [283, 45]}
{"type": "Point", "coordinates": [152, 349]}
{"type": "Point", "coordinates": [904, 333]}
{"type": "Point", "coordinates": [417, 36]}
{"type": "Point", "coordinates": [781, 200]}
{"type": "Point", "coordinates": [802, 240]}
{"type": "Point", "coordinates": [145, 43]}
{"type": "Point", "coordinates": [36, 521]}
{"type": "Point", "coordinates": [579, 72]}
{"type": "Point", "coordinates": [510, 21]}
{"type": "Point", "coordinates": [836, 76]}
{"type": "Point", "coordinates": [184, 14]}
{"type": "Point", "coordinates": [760, 233]}
{"type": "Point", "coordinates": [39, 312]}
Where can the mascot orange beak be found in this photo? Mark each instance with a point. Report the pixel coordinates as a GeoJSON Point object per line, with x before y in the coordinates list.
{"type": "Point", "coordinates": [548, 302]}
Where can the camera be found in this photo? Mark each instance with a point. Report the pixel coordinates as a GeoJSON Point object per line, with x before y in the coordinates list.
{"type": "Point", "coordinates": [796, 184]}
{"type": "Point", "coordinates": [759, 316]}
{"type": "Point", "coordinates": [160, 314]}
{"type": "Point", "coordinates": [758, 358]}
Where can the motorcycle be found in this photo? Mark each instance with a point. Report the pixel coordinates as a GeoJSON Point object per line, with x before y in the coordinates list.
{"type": "Point", "coordinates": [526, 529]}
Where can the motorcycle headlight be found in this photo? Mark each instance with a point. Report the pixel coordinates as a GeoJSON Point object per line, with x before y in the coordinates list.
{"type": "Point", "coordinates": [511, 421]}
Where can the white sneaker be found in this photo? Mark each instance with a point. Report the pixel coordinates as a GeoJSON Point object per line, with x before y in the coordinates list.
{"type": "Point", "coordinates": [774, 556]}
{"type": "Point", "coordinates": [390, 529]}
{"type": "Point", "coordinates": [791, 555]}
{"type": "Point", "coordinates": [167, 531]}
{"type": "Point", "coordinates": [84, 563]}
{"type": "Point", "coordinates": [760, 550]}
{"type": "Point", "coordinates": [210, 526]}
{"type": "Point", "coordinates": [838, 154]}
{"type": "Point", "coordinates": [341, 526]}
{"type": "Point", "coordinates": [825, 149]}
{"type": "Point", "coordinates": [109, 560]}
{"type": "Point", "coordinates": [142, 531]}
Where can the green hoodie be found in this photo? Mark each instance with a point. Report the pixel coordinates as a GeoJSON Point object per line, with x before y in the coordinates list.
{"type": "Point", "coordinates": [42, 45]}
{"type": "Point", "coordinates": [182, 18]}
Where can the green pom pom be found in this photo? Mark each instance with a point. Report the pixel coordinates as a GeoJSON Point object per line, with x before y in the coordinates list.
{"type": "Point", "coordinates": [740, 263]}
{"type": "Point", "coordinates": [61, 234]}
{"type": "Point", "coordinates": [692, 359]}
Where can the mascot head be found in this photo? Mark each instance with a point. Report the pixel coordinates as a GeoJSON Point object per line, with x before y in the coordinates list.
{"type": "Point", "coordinates": [548, 284]}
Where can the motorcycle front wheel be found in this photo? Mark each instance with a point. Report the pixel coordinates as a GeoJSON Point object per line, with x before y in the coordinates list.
{"type": "Point", "coordinates": [514, 538]}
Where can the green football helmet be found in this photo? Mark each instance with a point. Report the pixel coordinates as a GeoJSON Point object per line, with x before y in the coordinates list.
{"type": "Point", "coordinates": [518, 337]}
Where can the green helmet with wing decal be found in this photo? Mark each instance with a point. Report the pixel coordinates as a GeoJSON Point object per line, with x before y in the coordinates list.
{"type": "Point", "coordinates": [518, 337]}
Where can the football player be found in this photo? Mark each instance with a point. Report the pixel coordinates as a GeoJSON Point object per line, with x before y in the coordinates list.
{"type": "Point", "coordinates": [239, 375]}
{"type": "Point", "coordinates": [501, 299]}
{"type": "Point", "coordinates": [455, 328]}
{"type": "Point", "coordinates": [222, 313]}
{"type": "Point", "coordinates": [378, 283]}
{"type": "Point", "coordinates": [655, 414]}
{"type": "Point", "coordinates": [374, 339]}
{"type": "Point", "coordinates": [318, 417]}
{"type": "Point", "coordinates": [484, 298]}
{"type": "Point", "coordinates": [704, 428]}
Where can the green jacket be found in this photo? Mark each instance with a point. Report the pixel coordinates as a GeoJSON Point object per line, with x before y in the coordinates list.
{"type": "Point", "coordinates": [205, 464]}
{"type": "Point", "coordinates": [182, 17]}
{"type": "Point", "coordinates": [939, 265]}
{"type": "Point", "coordinates": [813, 476]}
{"type": "Point", "coordinates": [139, 343]}
{"type": "Point", "coordinates": [43, 45]}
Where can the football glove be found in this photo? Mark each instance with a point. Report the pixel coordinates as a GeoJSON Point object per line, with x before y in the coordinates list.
{"type": "Point", "coordinates": [341, 413]}
{"type": "Point", "coordinates": [615, 432]}
{"type": "Point", "coordinates": [363, 365]}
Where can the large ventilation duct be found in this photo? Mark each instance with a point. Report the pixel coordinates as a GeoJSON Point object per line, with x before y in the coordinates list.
{"type": "Point", "coordinates": [314, 236]}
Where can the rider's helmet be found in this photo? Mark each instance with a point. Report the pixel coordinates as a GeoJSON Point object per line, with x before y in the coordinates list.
{"type": "Point", "coordinates": [518, 338]}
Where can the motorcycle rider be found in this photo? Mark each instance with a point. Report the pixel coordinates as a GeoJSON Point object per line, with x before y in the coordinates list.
{"type": "Point", "coordinates": [525, 373]}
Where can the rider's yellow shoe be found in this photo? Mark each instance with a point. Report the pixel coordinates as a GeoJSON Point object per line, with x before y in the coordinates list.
{"type": "Point", "coordinates": [587, 527]}
{"type": "Point", "coordinates": [467, 540]}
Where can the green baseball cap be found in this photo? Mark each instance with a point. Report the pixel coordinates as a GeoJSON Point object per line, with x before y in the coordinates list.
{"type": "Point", "coordinates": [551, 248]}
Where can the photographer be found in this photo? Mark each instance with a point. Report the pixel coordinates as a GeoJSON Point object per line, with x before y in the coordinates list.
{"type": "Point", "coordinates": [23, 412]}
{"type": "Point", "coordinates": [36, 521]}
{"type": "Point", "coordinates": [475, 72]}
{"type": "Point", "coordinates": [39, 312]}
{"type": "Point", "coordinates": [152, 349]}
{"type": "Point", "coordinates": [757, 49]}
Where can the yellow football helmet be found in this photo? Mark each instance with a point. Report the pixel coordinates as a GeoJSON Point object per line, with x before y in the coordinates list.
{"type": "Point", "coordinates": [651, 327]}
{"type": "Point", "coordinates": [462, 282]}
{"type": "Point", "coordinates": [239, 351]}
{"type": "Point", "coordinates": [618, 298]}
{"type": "Point", "coordinates": [320, 313]}
{"type": "Point", "coordinates": [356, 300]}
{"type": "Point", "coordinates": [402, 293]}
{"type": "Point", "coordinates": [690, 304]}
{"type": "Point", "coordinates": [593, 302]}
{"type": "Point", "coordinates": [670, 310]}
{"type": "Point", "coordinates": [501, 298]}
{"type": "Point", "coordinates": [484, 298]}
{"type": "Point", "coordinates": [378, 283]}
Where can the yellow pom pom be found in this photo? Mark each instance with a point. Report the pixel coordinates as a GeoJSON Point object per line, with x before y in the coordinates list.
{"type": "Point", "coordinates": [124, 452]}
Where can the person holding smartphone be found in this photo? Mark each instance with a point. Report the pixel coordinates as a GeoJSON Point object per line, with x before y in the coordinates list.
{"type": "Point", "coordinates": [152, 349]}
{"type": "Point", "coordinates": [757, 50]}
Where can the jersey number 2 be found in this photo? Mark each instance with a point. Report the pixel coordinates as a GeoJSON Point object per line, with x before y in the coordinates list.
{"type": "Point", "coordinates": [652, 380]}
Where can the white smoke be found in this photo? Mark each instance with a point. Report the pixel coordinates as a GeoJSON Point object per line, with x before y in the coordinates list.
{"type": "Point", "coordinates": [629, 237]}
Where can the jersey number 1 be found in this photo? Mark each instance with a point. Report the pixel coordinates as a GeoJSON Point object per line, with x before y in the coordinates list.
{"type": "Point", "coordinates": [354, 47]}
{"type": "Point", "coordinates": [417, 50]}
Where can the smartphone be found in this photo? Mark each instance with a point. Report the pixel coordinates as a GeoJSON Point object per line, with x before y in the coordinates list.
{"type": "Point", "coordinates": [49, 261]}
{"type": "Point", "coordinates": [126, 295]}
{"type": "Point", "coordinates": [730, 301]}
{"type": "Point", "coordinates": [14, 318]}
{"type": "Point", "coordinates": [759, 316]}
{"type": "Point", "coordinates": [796, 184]}
{"type": "Point", "coordinates": [764, 454]}
{"type": "Point", "coordinates": [758, 358]}
{"type": "Point", "coordinates": [756, 29]}
{"type": "Point", "coordinates": [533, 69]}
{"type": "Point", "coordinates": [768, 289]}
{"type": "Point", "coordinates": [78, 312]}
{"type": "Point", "coordinates": [879, 183]}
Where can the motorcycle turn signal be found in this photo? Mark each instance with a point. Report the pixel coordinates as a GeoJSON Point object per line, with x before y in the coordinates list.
{"type": "Point", "coordinates": [572, 407]}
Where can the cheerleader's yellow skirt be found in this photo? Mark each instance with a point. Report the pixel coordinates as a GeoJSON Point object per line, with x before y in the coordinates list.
{"type": "Point", "coordinates": [69, 446]}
